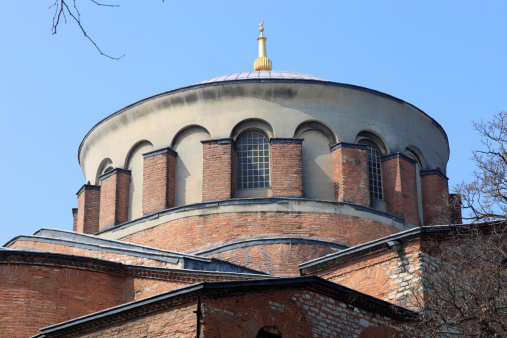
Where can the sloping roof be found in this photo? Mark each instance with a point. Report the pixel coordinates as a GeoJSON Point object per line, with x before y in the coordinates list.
{"type": "Point", "coordinates": [273, 74]}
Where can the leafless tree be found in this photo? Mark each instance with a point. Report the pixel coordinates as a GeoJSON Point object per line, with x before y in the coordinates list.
{"type": "Point", "coordinates": [485, 198]}
{"type": "Point", "coordinates": [64, 10]}
{"type": "Point", "coordinates": [463, 290]}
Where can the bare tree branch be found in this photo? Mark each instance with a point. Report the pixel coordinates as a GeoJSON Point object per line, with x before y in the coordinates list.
{"type": "Point", "coordinates": [463, 289]}
{"type": "Point", "coordinates": [62, 9]}
{"type": "Point", "coordinates": [485, 198]}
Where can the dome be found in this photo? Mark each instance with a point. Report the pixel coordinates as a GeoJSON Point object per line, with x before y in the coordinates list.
{"type": "Point", "coordinates": [274, 74]}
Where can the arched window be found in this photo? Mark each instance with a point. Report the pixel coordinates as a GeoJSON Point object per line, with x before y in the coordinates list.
{"type": "Point", "coordinates": [374, 170]}
{"type": "Point", "coordinates": [252, 161]}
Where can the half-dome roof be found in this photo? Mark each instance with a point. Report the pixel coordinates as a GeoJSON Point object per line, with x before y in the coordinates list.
{"type": "Point", "coordinates": [273, 74]}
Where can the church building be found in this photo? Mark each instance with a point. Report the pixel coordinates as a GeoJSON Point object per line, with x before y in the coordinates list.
{"type": "Point", "coordinates": [256, 204]}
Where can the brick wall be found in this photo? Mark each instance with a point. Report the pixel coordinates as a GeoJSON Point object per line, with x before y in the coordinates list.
{"type": "Point", "coordinates": [435, 191]}
{"type": "Point", "coordinates": [37, 296]}
{"type": "Point", "coordinates": [88, 201]}
{"type": "Point", "coordinates": [114, 196]}
{"type": "Point", "coordinates": [40, 290]}
{"type": "Point", "coordinates": [179, 321]}
{"type": "Point", "coordinates": [291, 313]}
{"type": "Point", "coordinates": [350, 169]}
{"type": "Point", "coordinates": [400, 187]}
{"type": "Point", "coordinates": [279, 259]}
{"type": "Point", "coordinates": [74, 219]}
{"type": "Point", "coordinates": [286, 167]}
{"type": "Point", "coordinates": [140, 287]}
{"type": "Point", "coordinates": [158, 180]}
{"type": "Point", "coordinates": [390, 275]}
{"type": "Point", "coordinates": [218, 161]}
{"type": "Point", "coordinates": [199, 232]}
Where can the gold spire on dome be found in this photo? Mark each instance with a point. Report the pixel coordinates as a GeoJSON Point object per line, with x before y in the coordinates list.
{"type": "Point", "coordinates": [262, 62]}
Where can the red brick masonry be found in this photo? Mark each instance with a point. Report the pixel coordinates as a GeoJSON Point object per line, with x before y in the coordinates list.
{"type": "Point", "coordinates": [286, 167]}
{"type": "Point", "coordinates": [298, 307]}
{"type": "Point", "coordinates": [279, 259]}
{"type": "Point", "coordinates": [435, 191]}
{"type": "Point", "coordinates": [218, 161]}
{"type": "Point", "coordinates": [158, 180]}
{"type": "Point", "coordinates": [41, 289]}
{"type": "Point", "coordinates": [195, 233]}
{"type": "Point", "coordinates": [114, 196]}
{"type": "Point", "coordinates": [350, 168]}
{"type": "Point", "coordinates": [400, 187]}
{"type": "Point", "coordinates": [88, 209]}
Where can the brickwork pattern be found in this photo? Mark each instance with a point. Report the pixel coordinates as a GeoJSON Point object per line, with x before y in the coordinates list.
{"type": "Point", "coordinates": [387, 274]}
{"type": "Point", "coordinates": [292, 313]}
{"type": "Point", "coordinates": [179, 321]}
{"type": "Point", "coordinates": [158, 182]}
{"type": "Point", "coordinates": [197, 233]}
{"type": "Point", "coordinates": [43, 292]}
{"type": "Point", "coordinates": [218, 177]}
{"type": "Point", "coordinates": [114, 196]}
{"type": "Point", "coordinates": [74, 219]}
{"type": "Point", "coordinates": [135, 287]}
{"type": "Point", "coordinates": [37, 296]}
{"type": "Point", "coordinates": [286, 169]}
{"type": "Point", "coordinates": [350, 171]}
{"type": "Point", "coordinates": [88, 211]}
{"type": "Point", "coordinates": [147, 287]}
{"type": "Point", "coordinates": [435, 190]}
{"type": "Point", "coordinates": [279, 259]}
{"type": "Point", "coordinates": [400, 189]}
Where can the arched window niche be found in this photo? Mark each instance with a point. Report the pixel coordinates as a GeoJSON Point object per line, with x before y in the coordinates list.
{"type": "Point", "coordinates": [376, 149]}
{"type": "Point", "coordinates": [252, 173]}
{"type": "Point", "coordinates": [106, 165]}
{"type": "Point", "coordinates": [317, 160]}
{"type": "Point", "coordinates": [189, 171]}
{"type": "Point", "coordinates": [135, 163]}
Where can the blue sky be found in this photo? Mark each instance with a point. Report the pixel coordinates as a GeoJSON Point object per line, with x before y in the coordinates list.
{"type": "Point", "coordinates": [448, 58]}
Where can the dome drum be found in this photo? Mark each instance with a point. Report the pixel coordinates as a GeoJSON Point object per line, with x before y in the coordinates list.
{"type": "Point", "coordinates": [283, 138]}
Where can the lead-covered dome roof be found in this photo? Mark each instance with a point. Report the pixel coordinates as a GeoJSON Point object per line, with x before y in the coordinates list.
{"type": "Point", "coordinates": [273, 74]}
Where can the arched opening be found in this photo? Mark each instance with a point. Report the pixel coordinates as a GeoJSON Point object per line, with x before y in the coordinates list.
{"type": "Point", "coordinates": [106, 165]}
{"type": "Point", "coordinates": [269, 332]}
{"type": "Point", "coordinates": [317, 160]}
{"type": "Point", "coordinates": [135, 164]}
{"type": "Point", "coordinates": [188, 183]}
{"type": "Point", "coordinates": [252, 125]}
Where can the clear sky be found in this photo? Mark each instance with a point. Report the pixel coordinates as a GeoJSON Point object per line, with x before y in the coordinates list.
{"type": "Point", "coordinates": [447, 58]}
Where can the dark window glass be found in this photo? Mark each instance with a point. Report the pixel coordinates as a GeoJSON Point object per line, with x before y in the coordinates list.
{"type": "Point", "coordinates": [374, 170]}
{"type": "Point", "coordinates": [257, 158]}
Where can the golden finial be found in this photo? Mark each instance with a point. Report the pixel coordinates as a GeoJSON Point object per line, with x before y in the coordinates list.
{"type": "Point", "coordinates": [262, 62]}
